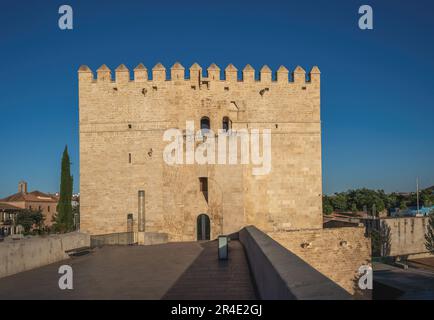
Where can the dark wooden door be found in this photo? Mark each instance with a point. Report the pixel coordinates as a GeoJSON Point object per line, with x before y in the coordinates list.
{"type": "Point", "coordinates": [203, 227]}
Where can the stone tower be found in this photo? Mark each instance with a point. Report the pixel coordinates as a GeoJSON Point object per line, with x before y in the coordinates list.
{"type": "Point", "coordinates": [22, 187]}
{"type": "Point", "coordinates": [122, 124]}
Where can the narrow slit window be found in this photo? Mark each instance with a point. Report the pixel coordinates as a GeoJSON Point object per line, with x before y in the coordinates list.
{"type": "Point", "coordinates": [226, 124]}
{"type": "Point", "coordinates": [203, 182]}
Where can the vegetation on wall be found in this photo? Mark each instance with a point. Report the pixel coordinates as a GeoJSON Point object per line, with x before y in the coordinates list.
{"type": "Point", "coordinates": [429, 236]}
{"type": "Point", "coordinates": [381, 240]}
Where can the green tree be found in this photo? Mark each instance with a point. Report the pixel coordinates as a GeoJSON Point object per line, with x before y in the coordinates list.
{"type": "Point", "coordinates": [64, 221]}
{"type": "Point", "coordinates": [339, 201]}
{"type": "Point", "coordinates": [389, 200]}
{"type": "Point", "coordinates": [29, 219]}
{"type": "Point", "coordinates": [365, 197]}
{"type": "Point", "coordinates": [426, 198]}
{"type": "Point", "coordinates": [327, 207]}
{"type": "Point", "coordinates": [393, 201]}
{"type": "Point", "coordinates": [373, 200]}
{"type": "Point", "coordinates": [380, 240]}
{"type": "Point", "coordinates": [429, 236]}
{"type": "Point", "coordinates": [354, 207]}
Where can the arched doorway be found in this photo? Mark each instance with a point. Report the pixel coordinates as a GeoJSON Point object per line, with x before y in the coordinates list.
{"type": "Point", "coordinates": [203, 227]}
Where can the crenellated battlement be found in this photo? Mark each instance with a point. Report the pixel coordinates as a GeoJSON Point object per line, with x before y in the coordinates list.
{"type": "Point", "coordinates": [177, 73]}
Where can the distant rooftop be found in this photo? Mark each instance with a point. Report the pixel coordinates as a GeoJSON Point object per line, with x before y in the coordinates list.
{"type": "Point", "coordinates": [34, 196]}
{"type": "Point", "coordinates": [7, 207]}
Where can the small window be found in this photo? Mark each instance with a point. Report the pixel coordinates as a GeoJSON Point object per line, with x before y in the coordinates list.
{"type": "Point", "coordinates": [203, 182]}
{"type": "Point", "coordinates": [129, 157]}
{"type": "Point", "coordinates": [39, 208]}
{"type": "Point", "coordinates": [205, 123]}
{"type": "Point", "coordinates": [227, 124]}
{"type": "Point", "coordinates": [130, 225]}
{"type": "Point", "coordinates": [205, 83]}
{"type": "Point", "coordinates": [129, 126]}
{"type": "Point", "coordinates": [48, 208]}
{"type": "Point", "coordinates": [30, 207]}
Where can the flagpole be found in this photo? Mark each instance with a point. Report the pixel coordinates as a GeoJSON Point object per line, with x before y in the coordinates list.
{"type": "Point", "coordinates": [417, 194]}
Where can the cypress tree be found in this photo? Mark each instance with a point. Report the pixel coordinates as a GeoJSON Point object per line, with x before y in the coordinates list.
{"type": "Point", "coordinates": [64, 221]}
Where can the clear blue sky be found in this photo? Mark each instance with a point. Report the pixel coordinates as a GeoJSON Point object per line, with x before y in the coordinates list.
{"type": "Point", "coordinates": [377, 86]}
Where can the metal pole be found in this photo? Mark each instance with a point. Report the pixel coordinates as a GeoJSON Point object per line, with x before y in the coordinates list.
{"type": "Point", "coordinates": [202, 223]}
{"type": "Point", "coordinates": [417, 194]}
{"type": "Point", "coordinates": [141, 213]}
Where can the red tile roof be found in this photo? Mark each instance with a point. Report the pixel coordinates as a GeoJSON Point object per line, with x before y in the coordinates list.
{"type": "Point", "coordinates": [6, 206]}
{"type": "Point", "coordinates": [34, 196]}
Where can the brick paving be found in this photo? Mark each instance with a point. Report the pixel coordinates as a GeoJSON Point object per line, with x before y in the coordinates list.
{"type": "Point", "coordinates": [188, 270]}
{"type": "Point", "coordinates": [209, 278]}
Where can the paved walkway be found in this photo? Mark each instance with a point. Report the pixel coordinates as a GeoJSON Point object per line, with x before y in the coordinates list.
{"type": "Point", "coordinates": [396, 283]}
{"type": "Point", "coordinates": [422, 263]}
{"type": "Point", "coordinates": [210, 278]}
{"type": "Point", "coordinates": [173, 270]}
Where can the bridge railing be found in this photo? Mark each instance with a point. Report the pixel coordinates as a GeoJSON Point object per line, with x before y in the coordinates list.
{"type": "Point", "coordinates": [281, 275]}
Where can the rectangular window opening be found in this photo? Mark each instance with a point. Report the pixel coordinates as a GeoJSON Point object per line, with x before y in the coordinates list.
{"type": "Point", "coordinates": [204, 187]}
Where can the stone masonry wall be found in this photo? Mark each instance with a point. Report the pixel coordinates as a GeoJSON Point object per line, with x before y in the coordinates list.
{"type": "Point", "coordinates": [336, 252]}
{"type": "Point", "coordinates": [122, 119]}
{"type": "Point", "coordinates": [29, 253]}
{"type": "Point", "coordinates": [407, 235]}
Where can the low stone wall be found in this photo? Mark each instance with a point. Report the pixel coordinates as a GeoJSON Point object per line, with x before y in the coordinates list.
{"type": "Point", "coordinates": [29, 253]}
{"type": "Point", "coordinates": [279, 274]}
{"type": "Point", "coordinates": [335, 252]}
{"type": "Point", "coordinates": [150, 238]}
{"type": "Point", "coordinates": [407, 235]}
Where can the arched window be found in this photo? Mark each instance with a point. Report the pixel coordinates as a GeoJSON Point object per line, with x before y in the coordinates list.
{"type": "Point", "coordinates": [205, 123]}
{"type": "Point", "coordinates": [227, 124]}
